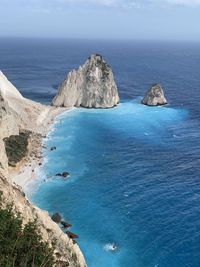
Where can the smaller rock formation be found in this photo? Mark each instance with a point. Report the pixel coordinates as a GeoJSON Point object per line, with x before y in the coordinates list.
{"type": "Point", "coordinates": [72, 235]}
{"type": "Point", "coordinates": [64, 174]}
{"type": "Point", "coordinates": [155, 96]}
{"type": "Point", "coordinates": [65, 224]}
{"type": "Point", "coordinates": [56, 217]}
{"type": "Point", "coordinates": [91, 86]}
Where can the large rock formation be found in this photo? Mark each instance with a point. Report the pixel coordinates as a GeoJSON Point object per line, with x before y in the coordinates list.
{"type": "Point", "coordinates": [91, 86]}
{"type": "Point", "coordinates": [155, 96]}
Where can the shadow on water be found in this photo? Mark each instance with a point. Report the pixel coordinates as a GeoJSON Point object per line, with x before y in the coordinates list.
{"type": "Point", "coordinates": [127, 191]}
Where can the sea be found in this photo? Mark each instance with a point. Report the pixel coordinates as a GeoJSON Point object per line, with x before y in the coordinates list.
{"type": "Point", "coordinates": [133, 195]}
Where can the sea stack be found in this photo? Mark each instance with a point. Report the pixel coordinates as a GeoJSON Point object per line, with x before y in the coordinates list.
{"type": "Point", "coordinates": [155, 96]}
{"type": "Point", "coordinates": [90, 86]}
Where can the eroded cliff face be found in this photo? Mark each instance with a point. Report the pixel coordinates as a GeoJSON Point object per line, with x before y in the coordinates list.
{"type": "Point", "coordinates": [8, 119]}
{"type": "Point", "coordinates": [3, 157]}
{"type": "Point", "coordinates": [67, 253]}
{"type": "Point", "coordinates": [8, 126]}
{"type": "Point", "coordinates": [91, 86]}
{"type": "Point", "coordinates": [18, 113]}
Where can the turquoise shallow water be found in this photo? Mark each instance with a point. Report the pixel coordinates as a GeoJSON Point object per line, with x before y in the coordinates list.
{"type": "Point", "coordinates": [130, 184]}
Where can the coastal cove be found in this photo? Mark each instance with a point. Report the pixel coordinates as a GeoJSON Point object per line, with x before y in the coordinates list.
{"type": "Point", "coordinates": [133, 194]}
{"type": "Point", "coordinates": [117, 190]}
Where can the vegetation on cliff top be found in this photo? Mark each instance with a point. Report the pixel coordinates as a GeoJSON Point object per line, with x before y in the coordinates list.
{"type": "Point", "coordinates": [21, 245]}
{"type": "Point", "coordinates": [16, 147]}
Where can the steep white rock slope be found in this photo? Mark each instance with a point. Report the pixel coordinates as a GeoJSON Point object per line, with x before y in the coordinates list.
{"type": "Point", "coordinates": [18, 113]}
{"type": "Point", "coordinates": [91, 86]}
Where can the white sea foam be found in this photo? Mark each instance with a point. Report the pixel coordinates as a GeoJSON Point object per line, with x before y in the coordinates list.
{"type": "Point", "coordinates": [112, 247]}
{"type": "Point", "coordinates": [32, 186]}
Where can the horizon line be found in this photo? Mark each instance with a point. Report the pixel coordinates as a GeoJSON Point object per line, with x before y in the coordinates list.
{"type": "Point", "coordinates": [101, 39]}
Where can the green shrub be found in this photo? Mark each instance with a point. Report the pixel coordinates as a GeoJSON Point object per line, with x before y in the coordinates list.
{"type": "Point", "coordinates": [21, 246]}
{"type": "Point", "coordinates": [16, 147]}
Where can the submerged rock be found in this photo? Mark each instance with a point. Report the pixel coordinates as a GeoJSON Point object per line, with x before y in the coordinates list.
{"type": "Point", "coordinates": [155, 96]}
{"type": "Point", "coordinates": [91, 86]}
{"type": "Point", "coordinates": [65, 224]}
{"type": "Point", "coordinates": [56, 217]}
{"type": "Point", "coordinates": [64, 174]}
{"type": "Point", "coordinates": [72, 235]}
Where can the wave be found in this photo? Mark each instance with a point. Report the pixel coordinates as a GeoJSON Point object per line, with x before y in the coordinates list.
{"type": "Point", "coordinates": [112, 247]}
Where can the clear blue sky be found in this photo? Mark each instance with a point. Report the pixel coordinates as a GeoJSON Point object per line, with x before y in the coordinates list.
{"type": "Point", "coordinates": [113, 19]}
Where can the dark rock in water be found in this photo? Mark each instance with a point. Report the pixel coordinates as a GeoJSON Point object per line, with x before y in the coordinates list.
{"type": "Point", "coordinates": [65, 224]}
{"type": "Point", "coordinates": [72, 235]}
{"type": "Point", "coordinates": [53, 148]}
{"type": "Point", "coordinates": [64, 174]}
{"type": "Point", "coordinates": [155, 96]}
{"type": "Point", "coordinates": [56, 217]}
{"type": "Point", "coordinates": [91, 86]}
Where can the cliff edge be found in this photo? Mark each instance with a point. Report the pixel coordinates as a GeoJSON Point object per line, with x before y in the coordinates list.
{"type": "Point", "coordinates": [16, 114]}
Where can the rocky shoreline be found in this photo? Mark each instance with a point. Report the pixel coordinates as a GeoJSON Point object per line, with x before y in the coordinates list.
{"type": "Point", "coordinates": [25, 171]}
{"type": "Point", "coordinates": [24, 123]}
{"type": "Point", "coordinates": [18, 114]}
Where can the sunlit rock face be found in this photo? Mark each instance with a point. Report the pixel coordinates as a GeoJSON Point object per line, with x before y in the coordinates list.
{"type": "Point", "coordinates": [155, 96]}
{"type": "Point", "coordinates": [91, 86]}
{"type": "Point", "coordinates": [8, 120]}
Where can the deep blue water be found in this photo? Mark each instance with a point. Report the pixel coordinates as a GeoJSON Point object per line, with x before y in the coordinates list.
{"type": "Point", "coordinates": [135, 170]}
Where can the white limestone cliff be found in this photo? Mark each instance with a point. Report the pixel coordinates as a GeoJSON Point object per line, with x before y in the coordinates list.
{"type": "Point", "coordinates": [91, 86]}
{"type": "Point", "coordinates": [18, 113]}
{"type": "Point", "coordinates": [28, 114]}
